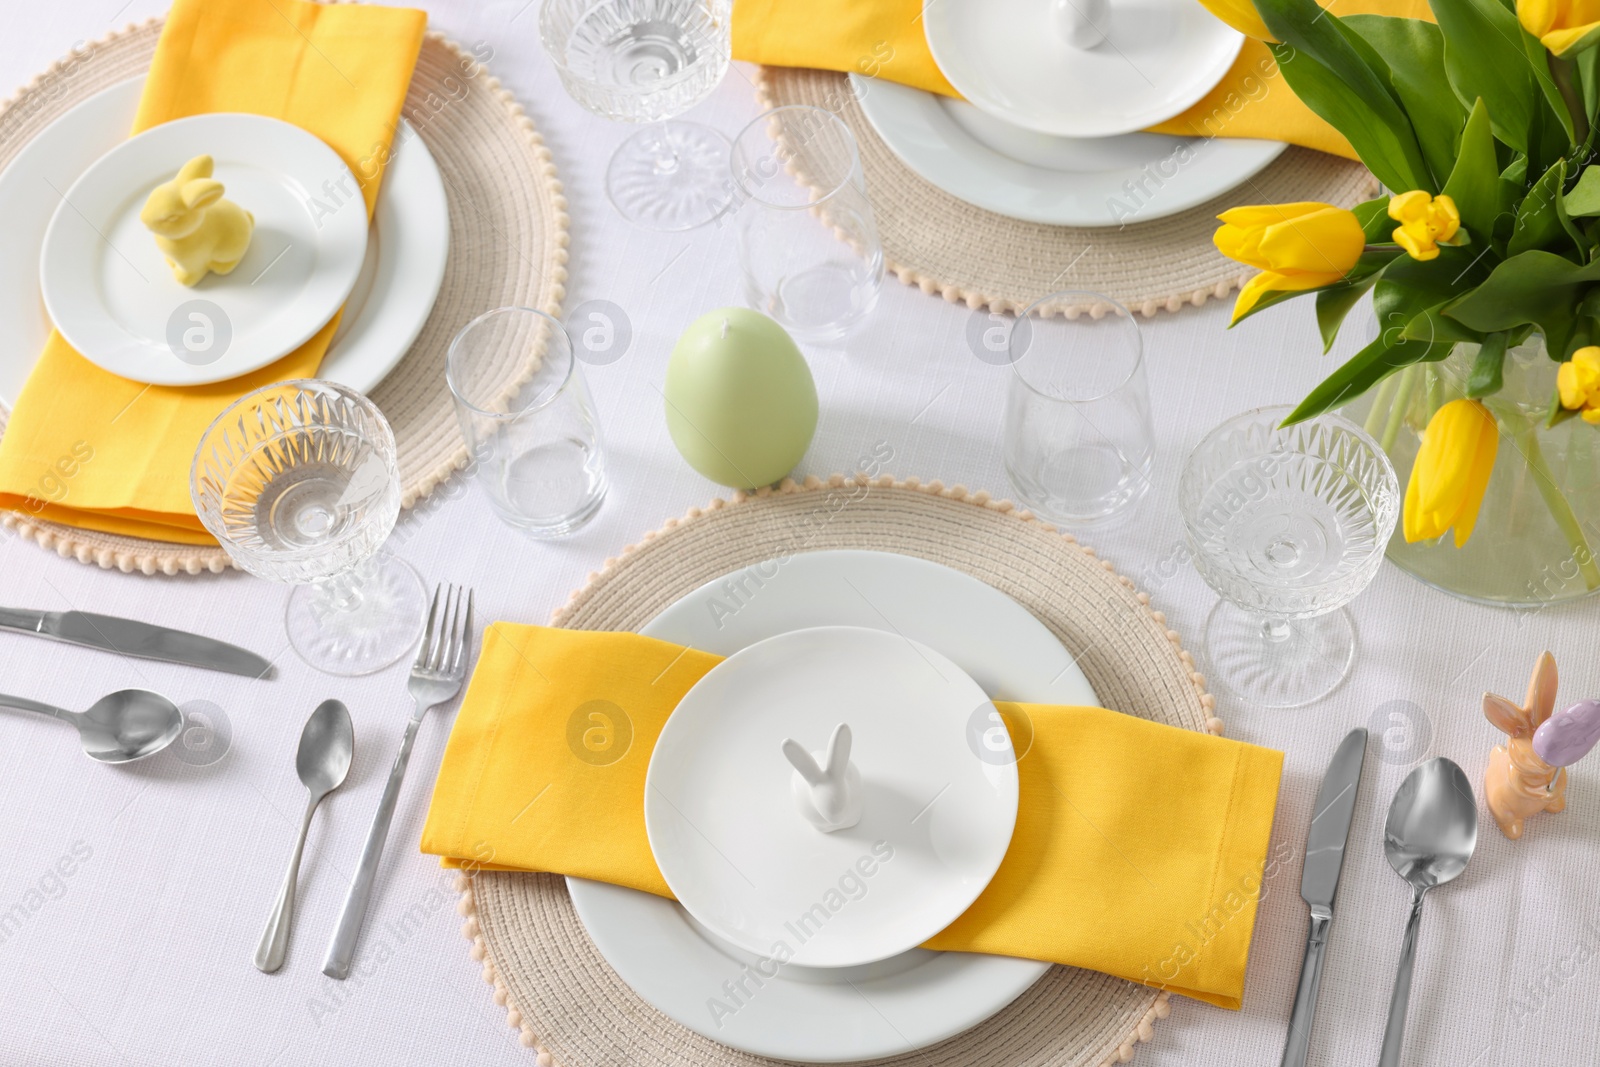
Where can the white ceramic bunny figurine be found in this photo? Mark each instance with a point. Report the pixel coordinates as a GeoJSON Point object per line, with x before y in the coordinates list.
{"type": "Point", "coordinates": [829, 794]}
{"type": "Point", "coordinates": [1079, 22]}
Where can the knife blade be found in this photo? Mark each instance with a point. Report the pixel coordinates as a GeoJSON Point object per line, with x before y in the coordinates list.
{"type": "Point", "coordinates": [1319, 882]}
{"type": "Point", "coordinates": [130, 637]}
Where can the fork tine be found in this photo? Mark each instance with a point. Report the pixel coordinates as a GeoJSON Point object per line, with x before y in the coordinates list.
{"type": "Point", "coordinates": [427, 632]}
{"type": "Point", "coordinates": [442, 649]}
{"type": "Point", "coordinates": [457, 666]}
{"type": "Point", "coordinates": [449, 650]}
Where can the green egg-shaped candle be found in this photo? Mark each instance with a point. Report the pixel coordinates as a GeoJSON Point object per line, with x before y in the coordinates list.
{"type": "Point", "coordinates": [741, 403]}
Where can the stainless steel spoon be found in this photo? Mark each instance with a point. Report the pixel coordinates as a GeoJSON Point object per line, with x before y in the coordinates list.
{"type": "Point", "coordinates": [1430, 835]}
{"type": "Point", "coordinates": [129, 724]}
{"type": "Point", "coordinates": [326, 745]}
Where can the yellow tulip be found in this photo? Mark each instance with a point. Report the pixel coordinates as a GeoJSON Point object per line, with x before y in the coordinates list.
{"type": "Point", "coordinates": [1295, 246]}
{"type": "Point", "coordinates": [1562, 26]}
{"type": "Point", "coordinates": [1451, 472]}
{"type": "Point", "coordinates": [1578, 382]}
{"type": "Point", "coordinates": [1242, 16]}
{"type": "Point", "coordinates": [1425, 221]}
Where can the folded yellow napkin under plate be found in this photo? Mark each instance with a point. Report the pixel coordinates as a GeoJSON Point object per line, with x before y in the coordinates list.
{"type": "Point", "coordinates": [89, 449]}
{"type": "Point", "coordinates": [884, 39]}
{"type": "Point", "coordinates": [1138, 849]}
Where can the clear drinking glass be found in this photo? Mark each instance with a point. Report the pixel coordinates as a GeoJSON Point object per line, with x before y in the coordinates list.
{"type": "Point", "coordinates": [808, 243]}
{"type": "Point", "coordinates": [647, 61]}
{"type": "Point", "coordinates": [527, 419]}
{"type": "Point", "coordinates": [1078, 443]}
{"type": "Point", "coordinates": [299, 483]}
{"type": "Point", "coordinates": [1287, 524]}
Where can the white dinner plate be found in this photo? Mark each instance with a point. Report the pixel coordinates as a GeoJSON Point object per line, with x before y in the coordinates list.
{"type": "Point", "coordinates": [936, 812]}
{"type": "Point", "coordinates": [408, 243]}
{"type": "Point", "coordinates": [1011, 59]}
{"type": "Point", "coordinates": [832, 1015]}
{"type": "Point", "coordinates": [1057, 181]}
{"type": "Point", "coordinates": [109, 290]}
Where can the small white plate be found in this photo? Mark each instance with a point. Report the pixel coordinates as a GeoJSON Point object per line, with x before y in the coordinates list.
{"type": "Point", "coordinates": [936, 815]}
{"type": "Point", "coordinates": [110, 292]}
{"type": "Point", "coordinates": [1057, 181]}
{"type": "Point", "coordinates": [1008, 58]}
{"type": "Point", "coordinates": [832, 1015]}
{"type": "Point", "coordinates": [408, 244]}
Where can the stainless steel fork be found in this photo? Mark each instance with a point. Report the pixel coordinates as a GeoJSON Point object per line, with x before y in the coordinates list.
{"type": "Point", "coordinates": [435, 677]}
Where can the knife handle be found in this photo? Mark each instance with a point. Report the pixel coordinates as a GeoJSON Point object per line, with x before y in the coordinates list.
{"type": "Point", "coordinates": [1298, 1043]}
{"type": "Point", "coordinates": [21, 619]}
{"type": "Point", "coordinates": [342, 949]}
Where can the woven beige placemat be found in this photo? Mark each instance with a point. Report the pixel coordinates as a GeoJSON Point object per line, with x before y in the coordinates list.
{"type": "Point", "coordinates": [944, 245]}
{"type": "Point", "coordinates": [560, 992]}
{"type": "Point", "coordinates": [508, 245]}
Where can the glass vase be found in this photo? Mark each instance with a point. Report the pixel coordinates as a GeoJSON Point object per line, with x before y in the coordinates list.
{"type": "Point", "coordinates": [1539, 524]}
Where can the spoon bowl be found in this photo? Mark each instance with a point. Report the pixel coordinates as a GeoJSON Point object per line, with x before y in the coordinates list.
{"type": "Point", "coordinates": [327, 744]}
{"type": "Point", "coordinates": [128, 725]}
{"type": "Point", "coordinates": [1430, 834]}
{"type": "Point", "coordinates": [1433, 825]}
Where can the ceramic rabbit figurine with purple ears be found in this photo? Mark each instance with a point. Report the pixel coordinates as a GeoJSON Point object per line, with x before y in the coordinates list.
{"type": "Point", "coordinates": [826, 786]}
{"type": "Point", "coordinates": [1527, 775]}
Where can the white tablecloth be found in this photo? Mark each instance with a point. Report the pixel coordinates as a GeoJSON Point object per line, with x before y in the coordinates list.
{"type": "Point", "coordinates": [131, 900]}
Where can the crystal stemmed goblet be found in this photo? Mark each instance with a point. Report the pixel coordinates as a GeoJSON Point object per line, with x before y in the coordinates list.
{"type": "Point", "coordinates": [647, 61]}
{"type": "Point", "coordinates": [1288, 524]}
{"type": "Point", "coordinates": [299, 483]}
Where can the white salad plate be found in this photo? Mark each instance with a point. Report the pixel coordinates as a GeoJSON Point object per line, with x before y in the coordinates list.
{"type": "Point", "coordinates": [408, 243]}
{"type": "Point", "coordinates": [1011, 59]}
{"type": "Point", "coordinates": [110, 292]}
{"type": "Point", "coordinates": [936, 815]}
{"type": "Point", "coordinates": [832, 1015]}
{"type": "Point", "coordinates": [1057, 181]}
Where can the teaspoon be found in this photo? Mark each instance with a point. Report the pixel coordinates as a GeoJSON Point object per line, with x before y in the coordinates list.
{"type": "Point", "coordinates": [126, 725]}
{"type": "Point", "coordinates": [326, 745]}
{"type": "Point", "coordinates": [1430, 835]}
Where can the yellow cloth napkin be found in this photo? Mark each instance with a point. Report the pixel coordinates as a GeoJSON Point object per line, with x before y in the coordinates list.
{"type": "Point", "coordinates": [884, 39]}
{"type": "Point", "coordinates": [1138, 850]}
{"type": "Point", "coordinates": [87, 448]}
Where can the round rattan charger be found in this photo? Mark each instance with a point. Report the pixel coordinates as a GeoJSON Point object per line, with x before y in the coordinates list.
{"type": "Point", "coordinates": [556, 987]}
{"type": "Point", "coordinates": [966, 254]}
{"type": "Point", "coordinates": [508, 245]}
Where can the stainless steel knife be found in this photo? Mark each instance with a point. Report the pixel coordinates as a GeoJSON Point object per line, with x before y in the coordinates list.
{"type": "Point", "coordinates": [132, 638]}
{"type": "Point", "coordinates": [1325, 845]}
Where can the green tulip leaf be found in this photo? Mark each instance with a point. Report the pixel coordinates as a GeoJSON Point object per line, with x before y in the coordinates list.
{"type": "Point", "coordinates": [1539, 223]}
{"type": "Point", "coordinates": [1474, 183]}
{"type": "Point", "coordinates": [1512, 188]}
{"type": "Point", "coordinates": [1409, 287]}
{"type": "Point", "coordinates": [1483, 58]}
{"type": "Point", "coordinates": [1363, 370]}
{"type": "Point", "coordinates": [1343, 78]}
{"type": "Point", "coordinates": [1335, 302]}
{"type": "Point", "coordinates": [1584, 198]}
{"type": "Point", "coordinates": [1374, 218]}
{"type": "Point", "coordinates": [1535, 288]}
{"type": "Point", "coordinates": [1488, 367]}
{"type": "Point", "coordinates": [1539, 63]}
{"type": "Point", "coordinates": [1413, 50]}
{"type": "Point", "coordinates": [1587, 63]}
{"type": "Point", "coordinates": [1434, 326]}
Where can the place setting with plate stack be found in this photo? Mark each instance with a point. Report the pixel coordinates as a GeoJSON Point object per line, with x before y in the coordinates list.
{"type": "Point", "coordinates": [1011, 656]}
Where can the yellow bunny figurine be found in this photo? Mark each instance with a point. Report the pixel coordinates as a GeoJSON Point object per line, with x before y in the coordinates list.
{"type": "Point", "coordinates": [195, 228]}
